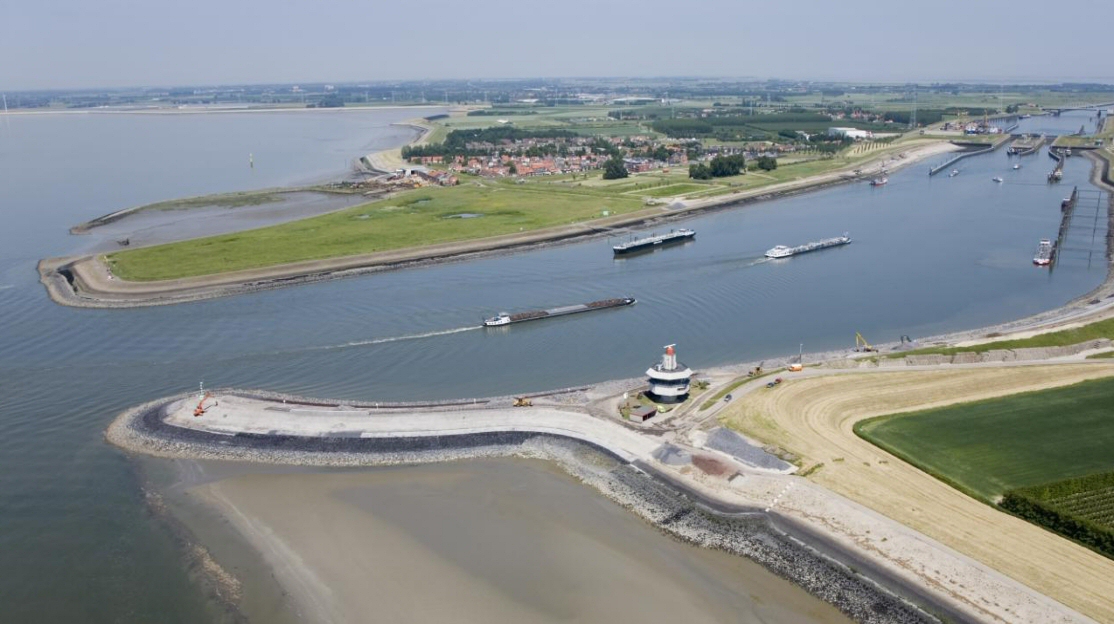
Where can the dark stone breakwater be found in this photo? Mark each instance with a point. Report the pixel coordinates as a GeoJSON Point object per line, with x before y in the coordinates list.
{"type": "Point", "coordinates": [798, 555]}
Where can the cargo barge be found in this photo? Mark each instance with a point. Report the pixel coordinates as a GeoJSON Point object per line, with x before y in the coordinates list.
{"type": "Point", "coordinates": [781, 251]}
{"type": "Point", "coordinates": [654, 240]}
{"type": "Point", "coordinates": [535, 315]}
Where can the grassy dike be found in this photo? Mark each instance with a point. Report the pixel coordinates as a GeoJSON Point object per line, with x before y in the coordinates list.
{"type": "Point", "coordinates": [412, 219]}
{"type": "Point", "coordinates": [1062, 338]}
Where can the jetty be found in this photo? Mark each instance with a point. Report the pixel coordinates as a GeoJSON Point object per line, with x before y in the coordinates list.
{"type": "Point", "coordinates": [982, 148]}
{"type": "Point", "coordinates": [1067, 208]}
{"type": "Point", "coordinates": [1060, 157]}
{"type": "Point", "coordinates": [1026, 145]}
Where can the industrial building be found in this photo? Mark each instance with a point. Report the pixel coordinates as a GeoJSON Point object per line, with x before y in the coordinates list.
{"type": "Point", "coordinates": [850, 133]}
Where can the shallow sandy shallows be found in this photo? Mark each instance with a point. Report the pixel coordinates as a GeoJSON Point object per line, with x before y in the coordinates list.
{"type": "Point", "coordinates": [814, 417]}
{"type": "Point", "coordinates": [487, 541]}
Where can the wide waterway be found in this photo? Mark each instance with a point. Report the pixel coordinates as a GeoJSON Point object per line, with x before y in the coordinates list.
{"type": "Point", "coordinates": [930, 255]}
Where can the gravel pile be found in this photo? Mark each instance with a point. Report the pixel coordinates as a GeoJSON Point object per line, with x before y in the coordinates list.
{"type": "Point", "coordinates": [727, 441]}
{"type": "Point", "coordinates": [672, 455]}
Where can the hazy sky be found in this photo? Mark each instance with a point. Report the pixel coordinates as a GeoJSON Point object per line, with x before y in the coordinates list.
{"type": "Point", "coordinates": [83, 43]}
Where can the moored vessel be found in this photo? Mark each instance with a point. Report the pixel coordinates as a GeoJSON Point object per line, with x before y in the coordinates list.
{"type": "Point", "coordinates": [654, 240]}
{"type": "Point", "coordinates": [783, 251]}
{"type": "Point", "coordinates": [1043, 256]}
{"type": "Point", "coordinates": [879, 181]}
{"type": "Point", "coordinates": [504, 318]}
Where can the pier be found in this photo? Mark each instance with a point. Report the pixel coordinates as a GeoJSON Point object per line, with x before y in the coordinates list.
{"type": "Point", "coordinates": [1057, 172]}
{"type": "Point", "coordinates": [1026, 146]}
{"type": "Point", "coordinates": [958, 157]}
{"type": "Point", "coordinates": [1083, 230]}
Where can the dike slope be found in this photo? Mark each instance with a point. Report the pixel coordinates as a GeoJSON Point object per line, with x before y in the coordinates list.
{"type": "Point", "coordinates": [85, 281]}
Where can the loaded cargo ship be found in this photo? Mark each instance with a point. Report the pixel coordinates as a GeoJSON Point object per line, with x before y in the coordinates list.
{"type": "Point", "coordinates": [535, 315]}
{"type": "Point", "coordinates": [781, 251]}
{"type": "Point", "coordinates": [654, 240]}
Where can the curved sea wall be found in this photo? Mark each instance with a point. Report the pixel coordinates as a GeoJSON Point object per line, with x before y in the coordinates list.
{"type": "Point", "coordinates": [746, 532]}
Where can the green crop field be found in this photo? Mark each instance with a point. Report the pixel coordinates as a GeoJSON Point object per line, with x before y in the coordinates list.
{"type": "Point", "coordinates": [671, 190]}
{"type": "Point", "coordinates": [1080, 509]}
{"type": "Point", "coordinates": [412, 219]}
{"type": "Point", "coordinates": [988, 447]}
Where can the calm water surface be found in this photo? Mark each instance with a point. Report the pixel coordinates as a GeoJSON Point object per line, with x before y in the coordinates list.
{"type": "Point", "coordinates": [930, 255]}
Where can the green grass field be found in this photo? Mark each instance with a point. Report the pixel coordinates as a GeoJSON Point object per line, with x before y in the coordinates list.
{"type": "Point", "coordinates": [988, 447]}
{"type": "Point", "coordinates": [416, 218]}
{"type": "Point", "coordinates": [671, 190]}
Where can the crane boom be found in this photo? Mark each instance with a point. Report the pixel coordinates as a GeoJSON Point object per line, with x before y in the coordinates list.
{"type": "Point", "coordinates": [862, 345]}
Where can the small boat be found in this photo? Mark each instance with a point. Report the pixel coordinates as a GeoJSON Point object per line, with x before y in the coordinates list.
{"type": "Point", "coordinates": [997, 179]}
{"type": "Point", "coordinates": [879, 181]}
{"type": "Point", "coordinates": [1043, 256]}
{"type": "Point", "coordinates": [954, 173]}
{"type": "Point", "coordinates": [1016, 167]}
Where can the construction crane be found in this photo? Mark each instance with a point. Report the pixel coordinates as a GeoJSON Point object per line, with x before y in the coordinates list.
{"type": "Point", "coordinates": [861, 345]}
{"type": "Point", "coordinates": [201, 409]}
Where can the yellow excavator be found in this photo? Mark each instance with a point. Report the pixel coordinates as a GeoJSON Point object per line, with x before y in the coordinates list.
{"type": "Point", "coordinates": [861, 345]}
{"type": "Point", "coordinates": [523, 402]}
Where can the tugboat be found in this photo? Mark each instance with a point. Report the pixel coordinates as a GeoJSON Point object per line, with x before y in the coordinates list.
{"type": "Point", "coordinates": [879, 181]}
{"type": "Point", "coordinates": [1043, 256]}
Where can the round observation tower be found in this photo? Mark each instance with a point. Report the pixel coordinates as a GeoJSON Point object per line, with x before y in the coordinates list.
{"type": "Point", "coordinates": [669, 379]}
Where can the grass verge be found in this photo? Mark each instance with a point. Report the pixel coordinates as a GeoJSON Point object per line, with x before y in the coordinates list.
{"type": "Point", "coordinates": [1062, 338]}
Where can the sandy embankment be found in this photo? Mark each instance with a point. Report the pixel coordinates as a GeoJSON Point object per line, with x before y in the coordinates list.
{"type": "Point", "coordinates": [814, 417]}
{"type": "Point", "coordinates": [86, 282]}
{"type": "Point", "coordinates": [899, 556]}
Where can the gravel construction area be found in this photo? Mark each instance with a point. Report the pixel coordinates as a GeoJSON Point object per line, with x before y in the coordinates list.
{"type": "Point", "coordinates": [727, 441]}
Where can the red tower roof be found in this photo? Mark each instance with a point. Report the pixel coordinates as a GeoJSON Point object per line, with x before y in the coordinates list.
{"type": "Point", "coordinates": [669, 350]}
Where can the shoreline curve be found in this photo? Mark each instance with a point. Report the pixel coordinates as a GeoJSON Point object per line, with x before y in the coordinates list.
{"type": "Point", "coordinates": [84, 281]}
{"type": "Point", "coordinates": [783, 545]}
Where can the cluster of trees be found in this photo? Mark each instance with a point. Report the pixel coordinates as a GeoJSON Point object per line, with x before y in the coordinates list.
{"type": "Point", "coordinates": [719, 167]}
{"type": "Point", "coordinates": [1033, 504]}
{"type": "Point", "coordinates": [614, 169]}
{"type": "Point", "coordinates": [766, 163]}
{"type": "Point", "coordinates": [456, 143]}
